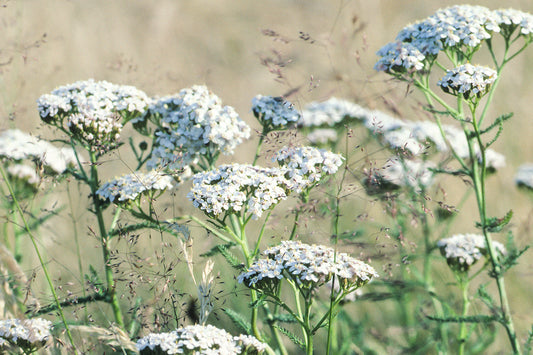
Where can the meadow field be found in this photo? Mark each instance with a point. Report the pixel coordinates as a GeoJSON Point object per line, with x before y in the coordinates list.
{"type": "Point", "coordinates": [112, 272]}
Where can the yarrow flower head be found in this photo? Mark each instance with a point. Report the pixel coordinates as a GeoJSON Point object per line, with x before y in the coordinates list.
{"type": "Point", "coordinates": [194, 124]}
{"type": "Point", "coordinates": [91, 95]}
{"type": "Point", "coordinates": [468, 80]}
{"type": "Point", "coordinates": [274, 113]}
{"type": "Point", "coordinates": [17, 145]}
{"type": "Point", "coordinates": [524, 176]}
{"type": "Point", "coordinates": [399, 57]}
{"type": "Point", "coordinates": [129, 188]}
{"type": "Point", "coordinates": [28, 334]}
{"type": "Point", "coordinates": [463, 250]}
{"type": "Point", "coordinates": [322, 136]}
{"type": "Point", "coordinates": [330, 113]}
{"type": "Point", "coordinates": [308, 265]}
{"type": "Point", "coordinates": [199, 340]}
{"type": "Point", "coordinates": [98, 129]}
{"type": "Point", "coordinates": [232, 188]}
{"type": "Point", "coordinates": [308, 165]}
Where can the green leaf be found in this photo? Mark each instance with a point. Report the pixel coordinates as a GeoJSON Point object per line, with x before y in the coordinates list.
{"type": "Point", "coordinates": [239, 321]}
{"type": "Point", "coordinates": [498, 122]}
{"type": "Point", "coordinates": [513, 253]}
{"type": "Point", "coordinates": [469, 319]}
{"type": "Point", "coordinates": [217, 249]}
{"type": "Point", "coordinates": [294, 338]}
{"type": "Point", "coordinates": [495, 224]}
{"type": "Point", "coordinates": [284, 318]}
{"type": "Point", "coordinates": [223, 250]}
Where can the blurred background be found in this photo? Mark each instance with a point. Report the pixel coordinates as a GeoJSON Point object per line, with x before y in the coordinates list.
{"type": "Point", "coordinates": [305, 49]}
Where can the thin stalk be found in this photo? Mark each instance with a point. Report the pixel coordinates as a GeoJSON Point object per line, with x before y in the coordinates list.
{"type": "Point", "coordinates": [41, 261]}
{"type": "Point", "coordinates": [466, 303]}
{"type": "Point", "coordinates": [259, 144]}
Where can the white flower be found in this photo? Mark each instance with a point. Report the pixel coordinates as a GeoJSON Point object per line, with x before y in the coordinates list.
{"type": "Point", "coordinates": [232, 188]}
{"type": "Point", "coordinates": [463, 250]}
{"type": "Point", "coordinates": [24, 173]}
{"type": "Point", "coordinates": [30, 334]}
{"type": "Point", "coordinates": [524, 176]}
{"type": "Point", "coordinates": [311, 265]}
{"type": "Point", "coordinates": [194, 123]}
{"type": "Point", "coordinates": [331, 112]}
{"type": "Point", "coordinates": [400, 173]}
{"type": "Point", "coordinates": [399, 57]}
{"type": "Point", "coordinates": [322, 136]}
{"type": "Point", "coordinates": [129, 187]}
{"type": "Point", "coordinates": [198, 340]}
{"type": "Point", "coordinates": [274, 112]}
{"type": "Point", "coordinates": [99, 129]}
{"type": "Point", "coordinates": [468, 80]}
{"type": "Point", "coordinates": [510, 19]}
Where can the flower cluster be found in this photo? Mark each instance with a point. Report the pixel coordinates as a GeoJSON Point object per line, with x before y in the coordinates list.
{"type": "Point", "coordinates": [274, 113]}
{"type": "Point", "coordinates": [399, 173]}
{"type": "Point", "coordinates": [308, 266]}
{"type": "Point", "coordinates": [25, 174]}
{"type": "Point", "coordinates": [17, 145]}
{"type": "Point", "coordinates": [330, 113]}
{"type": "Point", "coordinates": [199, 340]}
{"type": "Point", "coordinates": [461, 27]}
{"type": "Point", "coordinates": [463, 250]}
{"type": "Point", "coordinates": [87, 96]}
{"type": "Point", "coordinates": [232, 188]}
{"type": "Point", "coordinates": [129, 188]}
{"type": "Point", "coordinates": [307, 165]}
{"type": "Point", "coordinates": [524, 176]}
{"type": "Point", "coordinates": [192, 124]}
{"type": "Point", "coordinates": [468, 80]}
{"type": "Point", "coordinates": [322, 136]}
{"type": "Point", "coordinates": [99, 129]}
{"type": "Point", "coordinates": [29, 334]}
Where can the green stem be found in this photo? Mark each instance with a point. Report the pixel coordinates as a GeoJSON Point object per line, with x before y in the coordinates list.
{"type": "Point", "coordinates": [104, 240]}
{"type": "Point", "coordinates": [259, 144]}
{"type": "Point", "coordinates": [466, 303]}
{"type": "Point", "coordinates": [41, 261]}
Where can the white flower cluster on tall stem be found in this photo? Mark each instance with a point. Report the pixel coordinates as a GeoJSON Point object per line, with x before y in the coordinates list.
{"type": "Point", "coordinates": [524, 176]}
{"type": "Point", "coordinates": [274, 113]}
{"type": "Point", "coordinates": [199, 340]}
{"type": "Point", "coordinates": [130, 187]}
{"type": "Point", "coordinates": [98, 129]}
{"type": "Point", "coordinates": [91, 95]}
{"type": "Point", "coordinates": [193, 123]}
{"type": "Point", "coordinates": [308, 165]}
{"type": "Point", "coordinates": [461, 28]}
{"type": "Point", "coordinates": [463, 250]}
{"type": "Point", "coordinates": [308, 266]}
{"type": "Point", "coordinates": [397, 173]}
{"type": "Point", "coordinates": [468, 80]}
{"type": "Point", "coordinates": [29, 334]}
{"type": "Point", "coordinates": [17, 145]}
{"type": "Point", "coordinates": [330, 113]}
{"type": "Point", "coordinates": [24, 173]}
{"type": "Point", "coordinates": [239, 188]}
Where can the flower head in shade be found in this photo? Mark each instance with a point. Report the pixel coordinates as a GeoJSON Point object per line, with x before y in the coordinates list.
{"type": "Point", "coordinates": [399, 57]}
{"type": "Point", "coordinates": [194, 124]}
{"type": "Point", "coordinates": [510, 20]}
{"type": "Point", "coordinates": [468, 80]}
{"type": "Point", "coordinates": [322, 136]}
{"type": "Point", "coordinates": [234, 188]}
{"type": "Point", "coordinates": [28, 334]}
{"type": "Point", "coordinates": [199, 340]}
{"type": "Point", "coordinates": [524, 176]}
{"type": "Point", "coordinates": [331, 113]}
{"type": "Point", "coordinates": [91, 95]}
{"type": "Point", "coordinates": [463, 250]}
{"type": "Point", "coordinates": [397, 173]}
{"type": "Point", "coordinates": [308, 165]}
{"type": "Point", "coordinates": [307, 265]}
{"type": "Point", "coordinates": [98, 129]}
{"type": "Point", "coordinates": [274, 113]}
{"type": "Point", "coordinates": [17, 145]}
{"type": "Point", "coordinates": [129, 188]}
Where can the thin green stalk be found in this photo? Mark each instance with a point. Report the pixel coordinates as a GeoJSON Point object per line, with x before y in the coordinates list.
{"type": "Point", "coordinates": [259, 144]}
{"type": "Point", "coordinates": [41, 261]}
{"type": "Point", "coordinates": [466, 303]}
{"type": "Point", "coordinates": [104, 240]}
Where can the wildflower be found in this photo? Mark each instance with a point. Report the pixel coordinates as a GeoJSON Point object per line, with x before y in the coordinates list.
{"type": "Point", "coordinates": [322, 136]}
{"type": "Point", "coordinates": [308, 165]}
{"type": "Point", "coordinates": [463, 250]}
{"type": "Point", "coordinates": [199, 340]}
{"type": "Point", "coordinates": [331, 113]}
{"type": "Point", "coordinates": [98, 129]}
{"type": "Point", "coordinates": [399, 57]}
{"type": "Point", "coordinates": [493, 160]}
{"type": "Point", "coordinates": [192, 124]}
{"type": "Point", "coordinates": [274, 113]}
{"type": "Point", "coordinates": [398, 173]}
{"type": "Point", "coordinates": [128, 188]}
{"type": "Point", "coordinates": [524, 176]}
{"type": "Point", "coordinates": [468, 80]}
{"type": "Point", "coordinates": [29, 334]}
{"type": "Point", "coordinates": [308, 266]}
{"type": "Point", "coordinates": [510, 19]}
{"type": "Point", "coordinates": [17, 145]}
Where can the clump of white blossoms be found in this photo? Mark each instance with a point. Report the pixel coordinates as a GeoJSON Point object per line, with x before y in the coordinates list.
{"type": "Point", "coordinates": [308, 266]}
{"type": "Point", "coordinates": [463, 250]}
{"type": "Point", "coordinates": [330, 113]}
{"type": "Point", "coordinates": [24, 173]}
{"type": "Point", "coordinates": [199, 340]}
{"type": "Point", "coordinates": [129, 188]}
{"type": "Point", "coordinates": [308, 165]}
{"type": "Point", "coordinates": [322, 136]}
{"type": "Point", "coordinates": [468, 80]}
{"type": "Point", "coordinates": [524, 176]}
{"type": "Point", "coordinates": [399, 57]}
{"type": "Point", "coordinates": [28, 334]}
{"type": "Point", "coordinates": [90, 95]}
{"type": "Point", "coordinates": [194, 124]}
{"type": "Point", "coordinates": [98, 129]}
{"type": "Point", "coordinates": [17, 145]}
{"type": "Point", "coordinates": [397, 173]}
{"type": "Point", "coordinates": [274, 113]}
{"type": "Point", "coordinates": [239, 188]}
